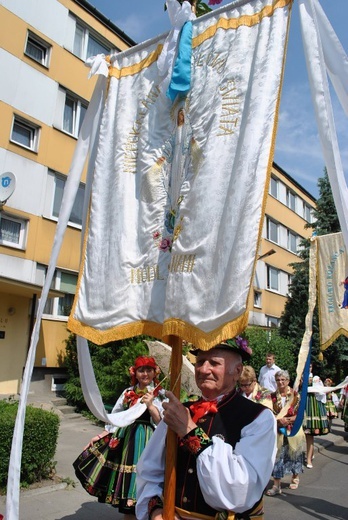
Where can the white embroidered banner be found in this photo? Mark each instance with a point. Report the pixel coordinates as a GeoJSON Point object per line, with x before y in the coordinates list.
{"type": "Point", "coordinates": [178, 190]}
{"type": "Point", "coordinates": [332, 280]}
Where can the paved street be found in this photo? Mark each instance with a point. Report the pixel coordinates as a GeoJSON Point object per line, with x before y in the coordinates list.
{"type": "Point", "coordinates": [322, 492]}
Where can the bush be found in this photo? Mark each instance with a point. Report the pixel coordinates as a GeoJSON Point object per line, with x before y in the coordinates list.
{"type": "Point", "coordinates": [39, 442]}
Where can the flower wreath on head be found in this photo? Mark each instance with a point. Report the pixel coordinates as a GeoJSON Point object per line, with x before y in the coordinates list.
{"type": "Point", "coordinates": [144, 361]}
{"type": "Point", "coordinates": [243, 344]}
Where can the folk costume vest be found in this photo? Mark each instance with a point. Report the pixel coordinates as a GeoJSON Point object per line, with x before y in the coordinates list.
{"type": "Point", "coordinates": [234, 413]}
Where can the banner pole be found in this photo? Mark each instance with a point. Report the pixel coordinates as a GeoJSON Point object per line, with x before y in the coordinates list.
{"type": "Point", "coordinates": [175, 342]}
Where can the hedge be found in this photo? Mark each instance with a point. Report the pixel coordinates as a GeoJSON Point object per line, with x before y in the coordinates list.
{"type": "Point", "coordinates": [39, 442]}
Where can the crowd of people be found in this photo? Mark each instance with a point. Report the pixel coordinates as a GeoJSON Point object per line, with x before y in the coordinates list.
{"type": "Point", "coordinates": [223, 465]}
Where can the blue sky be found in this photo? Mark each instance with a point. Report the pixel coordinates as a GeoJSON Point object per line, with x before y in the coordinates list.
{"type": "Point", "coordinates": [298, 150]}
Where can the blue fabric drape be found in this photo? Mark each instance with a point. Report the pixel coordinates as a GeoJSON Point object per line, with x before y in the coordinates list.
{"type": "Point", "coordinates": [180, 83]}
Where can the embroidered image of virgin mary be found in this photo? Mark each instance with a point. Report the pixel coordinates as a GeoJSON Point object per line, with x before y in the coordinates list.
{"type": "Point", "coordinates": [179, 158]}
{"type": "Point", "coordinates": [169, 178]}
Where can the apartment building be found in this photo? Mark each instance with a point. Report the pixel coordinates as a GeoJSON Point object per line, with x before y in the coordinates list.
{"type": "Point", "coordinates": [44, 94]}
{"type": "Point", "coordinates": [289, 207]}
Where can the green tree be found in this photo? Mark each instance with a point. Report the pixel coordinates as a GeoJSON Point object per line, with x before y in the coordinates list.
{"type": "Point", "coordinates": [110, 363]}
{"type": "Point", "coordinates": [262, 341]}
{"type": "Point", "coordinates": [292, 327]}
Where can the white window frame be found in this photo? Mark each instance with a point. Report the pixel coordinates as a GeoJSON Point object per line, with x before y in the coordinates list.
{"type": "Point", "coordinates": [80, 47]}
{"type": "Point", "coordinates": [56, 202]}
{"type": "Point", "coordinates": [53, 304]}
{"type": "Point", "coordinates": [270, 272]}
{"type": "Point", "coordinates": [295, 236]}
{"type": "Point", "coordinates": [274, 183]}
{"type": "Point", "coordinates": [41, 45]}
{"type": "Point", "coordinates": [291, 200]}
{"type": "Point", "coordinates": [257, 299]}
{"type": "Point", "coordinates": [272, 322]}
{"type": "Point", "coordinates": [307, 212]}
{"type": "Point", "coordinates": [32, 130]}
{"type": "Point", "coordinates": [289, 283]}
{"type": "Point", "coordinates": [77, 109]}
{"type": "Point", "coordinates": [22, 237]}
{"type": "Point", "coordinates": [272, 226]}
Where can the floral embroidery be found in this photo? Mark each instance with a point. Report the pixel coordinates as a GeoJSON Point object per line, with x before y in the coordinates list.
{"type": "Point", "coordinates": [133, 394]}
{"type": "Point", "coordinates": [165, 244]}
{"type": "Point", "coordinates": [114, 443]}
{"type": "Point", "coordinates": [195, 441]}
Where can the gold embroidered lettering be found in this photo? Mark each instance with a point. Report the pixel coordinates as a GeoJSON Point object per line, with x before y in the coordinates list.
{"type": "Point", "coordinates": [230, 106]}
{"type": "Point", "coordinates": [182, 263]}
{"type": "Point", "coordinates": [145, 274]}
{"type": "Point", "coordinates": [131, 144]}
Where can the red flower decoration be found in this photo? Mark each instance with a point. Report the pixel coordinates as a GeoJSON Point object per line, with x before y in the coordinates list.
{"type": "Point", "coordinates": [114, 443]}
{"type": "Point", "coordinates": [193, 444]}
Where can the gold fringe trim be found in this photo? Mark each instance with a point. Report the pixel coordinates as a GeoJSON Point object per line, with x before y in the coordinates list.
{"type": "Point", "coordinates": [248, 20]}
{"type": "Point", "coordinates": [136, 67]}
{"type": "Point", "coordinates": [337, 334]}
{"type": "Point", "coordinates": [129, 330]}
{"type": "Point", "coordinates": [173, 326]}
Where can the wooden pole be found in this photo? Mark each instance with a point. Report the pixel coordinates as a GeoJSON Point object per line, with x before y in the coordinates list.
{"type": "Point", "coordinates": [175, 342]}
{"type": "Point", "coordinates": [170, 471]}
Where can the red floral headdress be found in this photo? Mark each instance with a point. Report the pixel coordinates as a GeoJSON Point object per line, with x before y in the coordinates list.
{"type": "Point", "coordinates": [143, 361]}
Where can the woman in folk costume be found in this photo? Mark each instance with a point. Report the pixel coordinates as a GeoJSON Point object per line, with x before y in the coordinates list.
{"type": "Point", "coordinates": [315, 421]}
{"type": "Point", "coordinates": [250, 388]}
{"type": "Point", "coordinates": [107, 466]}
{"type": "Point", "coordinates": [332, 403]}
{"type": "Point", "coordinates": [289, 459]}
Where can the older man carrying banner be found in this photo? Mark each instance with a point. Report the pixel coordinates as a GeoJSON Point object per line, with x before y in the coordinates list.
{"type": "Point", "coordinates": [226, 446]}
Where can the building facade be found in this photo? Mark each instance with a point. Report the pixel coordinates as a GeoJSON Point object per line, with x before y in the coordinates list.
{"type": "Point", "coordinates": [44, 94]}
{"type": "Point", "coordinates": [289, 207]}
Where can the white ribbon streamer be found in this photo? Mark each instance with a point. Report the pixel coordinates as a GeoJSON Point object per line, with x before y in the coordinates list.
{"type": "Point", "coordinates": [86, 144]}
{"type": "Point", "coordinates": [92, 394]}
{"type": "Point", "coordinates": [98, 65]}
{"type": "Point", "coordinates": [313, 34]}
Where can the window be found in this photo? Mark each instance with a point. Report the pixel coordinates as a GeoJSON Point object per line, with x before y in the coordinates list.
{"type": "Point", "coordinates": [291, 200]}
{"type": "Point", "coordinates": [292, 241]}
{"type": "Point", "coordinates": [65, 282]}
{"type": "Point", "coordinates": [274, 187]}
{"type": "Point", "coordinates": [257, 298]}
{"type": "Point", "coordinates": [289, 284]}
{"type": "Point", "coordinates": [37, 49]}
{"type": "Point", "coordinates": [87, 44]}
{"type": "Point", "coordinates": [12, 231]}
{"type": "Point", "coordinates": [272, 322]}
{"type": "Point", "coordinates": [76, 212]}
{"type": "Point", "coordinates": [25, 133]}
{"type": "Point", "coordinates": [272, 230]}
{"type": "Point", "coordinates": [307, 214]}
{"type": "Point", "coordinates": [272, 278]}
{"type": "Point", "coordinates": [73, 115]}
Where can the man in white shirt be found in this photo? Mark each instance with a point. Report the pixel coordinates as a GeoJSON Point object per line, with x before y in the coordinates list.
{"type": "Point", "coordinates": [226, 446]}
{"type": "Point", "coordinates": [267, 373]}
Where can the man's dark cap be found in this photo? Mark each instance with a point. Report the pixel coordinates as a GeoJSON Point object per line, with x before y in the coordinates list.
{"type": "Point", "coordinates": [238, 345]}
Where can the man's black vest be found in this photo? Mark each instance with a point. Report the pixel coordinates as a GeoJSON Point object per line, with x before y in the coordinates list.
{"type": "Point", "coordinates": [234, 413]}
